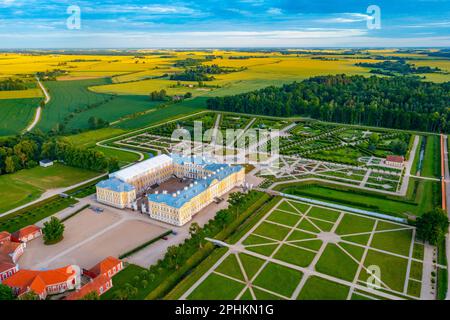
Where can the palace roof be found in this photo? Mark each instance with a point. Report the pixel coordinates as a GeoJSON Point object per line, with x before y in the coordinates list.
{"type": "Point", "coordinates": [141, 168]}
{"type": "Point", "coordinates": [115, 185]}
{"type": "Point", "coordinates": [180, 198]}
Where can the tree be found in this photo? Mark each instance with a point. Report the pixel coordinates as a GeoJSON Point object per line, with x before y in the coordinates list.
{"type": "Point", "coordinates": [433, 226]}
{"type": "Point", "coordinates": [30, 295]}
{"type": "Point", "coordinates": [53, 231]}
{"type": "Point", "coordinates": [236, 200]}
{"type": "Point", "coordinates": [93, 295]}
{"type": "Point", "coordinates": [399, 147]}
{"type": "Point", "coordinates": [6, 293]}
{"type": "Point", "coordinates": [10, 167]}
{"type": "Point", "coordinates": [194, 229]}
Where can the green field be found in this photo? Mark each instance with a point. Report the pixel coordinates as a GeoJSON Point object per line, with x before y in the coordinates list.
{"type": "Point", "coordinates": [316, 254]}
{"type": "Point", "coordinates": [420, 198]}
{"type": "Point", "coordinates": [168, 113]}
{"type": "Point", "coordinates": [114, 110]}
{"type": "Point", "coordinates": [66, 98]}
{"type": "Point", "coordinates": [27, 185]}
{"type": "Point", "coordinates": [431, 161]}
{"type": "Point", "coordinates": [16, 115]}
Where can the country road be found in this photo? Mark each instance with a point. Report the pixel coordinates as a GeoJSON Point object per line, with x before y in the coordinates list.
{"type": "Point", "coordinates": [38, 114]}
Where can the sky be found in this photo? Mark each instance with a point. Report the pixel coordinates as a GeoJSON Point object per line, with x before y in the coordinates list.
{"type": "Point", "coordinates": [28, 24]}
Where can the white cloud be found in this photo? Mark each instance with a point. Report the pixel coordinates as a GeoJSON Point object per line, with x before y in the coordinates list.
{"type": "Point", "coordinates": [347, 18]}
{"type": "Point", "coordinates": [275, 11]}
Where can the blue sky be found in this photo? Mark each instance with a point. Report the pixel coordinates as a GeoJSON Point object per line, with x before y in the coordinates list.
{"type": "Point", "coordinates": [224, 23]}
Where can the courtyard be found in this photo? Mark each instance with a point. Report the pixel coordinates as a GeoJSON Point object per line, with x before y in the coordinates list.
{"type": "Point", "coordinates": [90, 237]}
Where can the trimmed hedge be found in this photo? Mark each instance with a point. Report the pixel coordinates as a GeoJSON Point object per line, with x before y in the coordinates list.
{"type": "Point", "coordinates": [76, 212]}
{"type": "Point", "coordinates": [171, 281]}
{"type": "Point", "coordinates": [145, 244]}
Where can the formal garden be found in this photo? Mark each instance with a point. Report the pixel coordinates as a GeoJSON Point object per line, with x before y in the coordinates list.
{"type": "Point", "coordinates": [303, 251]}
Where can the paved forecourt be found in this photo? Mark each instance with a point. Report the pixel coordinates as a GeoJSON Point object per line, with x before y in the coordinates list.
{"type": "Point", "coordinates": [303, 251]}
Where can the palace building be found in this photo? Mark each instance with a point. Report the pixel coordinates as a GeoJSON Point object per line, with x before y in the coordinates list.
{"type": "Point", "coordinates": [175, 187]}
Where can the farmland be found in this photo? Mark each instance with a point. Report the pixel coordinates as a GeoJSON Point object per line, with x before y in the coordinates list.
{"type": "Point", "coordinates": [16, 114]}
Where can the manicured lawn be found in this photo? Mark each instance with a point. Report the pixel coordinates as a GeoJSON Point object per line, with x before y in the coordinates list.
{"type": "Point", "coordinates": [393, 269]}
{"type": "Point", "coordinates": [296, 256]}
{"type": "Point", "coordinates": [15, 193]}
{"type": "Point", "coordinates": [279, 279]}
{"type": "Point", "coordinates": [416, 270]}
{"type": "Point", "coordinates": [351, 224]}
{"type": "Point", "coordinates": [317, 288]}
{"type": "Point", "coordinates": [25, 217]}
{"type": "Point", "coordinates": [360, 239]}
{"type": "Point", "coordinates": [418, 251]}
{"type": "Point", "coordinates": [337, 263]}
{"type": "Point", "coordinates": [300, 235]}
{"type": "Point", "coordinates": [324, 226]}
{"type": "Point", "coordinates": [284, 218]}
{"type": "Point", "coordinates": [56, 176]}
{"type": "Point", "coordinates": [27, 185]}
{"type": "Point", "coordinates": [251, 264]}
{"type": "Point", "coordinates": [393, 241]}
{"type": "Point", "coordinates": [414, 288]}
{"type": "Point", "coordinates": [124, 157]}
{"type": "Point", "coordinates": [272, 231]}
{"type": "Point", "coordinates": [207, 290]}
{"type": "Point", "coordinates": [231, 268]}
{"type": "Point", "coordinates": [252, 239]}
{"type": "Point", "coordinates": [265, 250]}
{"type": "Point", "coordinates": [431, 161]}
{"type": "Point", "coordinates": [425, 197]}
{"type": "Point", "coordinates": [324, 214]}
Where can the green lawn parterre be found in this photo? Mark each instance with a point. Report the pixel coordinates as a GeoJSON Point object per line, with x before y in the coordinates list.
{"type": "Point", "coordinates": [338, 257]}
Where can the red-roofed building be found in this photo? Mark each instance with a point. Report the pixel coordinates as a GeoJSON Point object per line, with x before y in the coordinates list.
{"type": "Point", "coordinates": [110, 266]}
{"type": "Point", "coordinates": [45, 283]}
{"type": "Point", "coordinates": [101, 284]}
{"type": "Point", "coordinates": [395, 161]}
{"type": "Point", "coordinates": [5, 236]}
{"type": "Point", "coordinates": [10, 252]}
{"type": "Point", "coordinates": [26, 234]}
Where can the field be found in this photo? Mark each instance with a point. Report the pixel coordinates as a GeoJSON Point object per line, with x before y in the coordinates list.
{"type": "Point", "coordinates": [299, 251]}
{"type": "Point", "coordinates": [67, 98]}
{"type": "Point", "coordinates": [420, 198]}
{"type": "Point", "coordinates": [27, 185]}
{"type": "Point", "coordinates": [16, 115]}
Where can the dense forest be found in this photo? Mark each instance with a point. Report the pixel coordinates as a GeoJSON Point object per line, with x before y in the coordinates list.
{"type": "Point", "coordinates": [397, 102]}
{"type": "Point", "coordinates": [24, 152]}
{"type": "Point", "coordinates": [191, 75]}
{"type": "Point", "coordinates": [12, 84]}
{"type": "Point", "coordinates": [400, 67]}
{"type": "Point", "coordinates": [203, 72]}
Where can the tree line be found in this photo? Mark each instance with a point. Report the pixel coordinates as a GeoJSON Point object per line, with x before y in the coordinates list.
{"type": "Point", "coordinates": [12, 84]}
{"type": "Point", "coordinates": [397, 102]}
{"type": "Point", "coordinates": [24, 152]}
{"type": "Point", "coordinates": [400, 66]}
